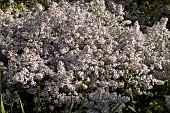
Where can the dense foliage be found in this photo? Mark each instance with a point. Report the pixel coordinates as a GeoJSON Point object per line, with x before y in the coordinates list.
{"type": "Point", "coordinates": [86, 52]}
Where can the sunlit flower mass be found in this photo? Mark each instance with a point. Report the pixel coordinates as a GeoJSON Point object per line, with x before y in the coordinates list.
{"type": "Point", "coordinates": [82, 52]}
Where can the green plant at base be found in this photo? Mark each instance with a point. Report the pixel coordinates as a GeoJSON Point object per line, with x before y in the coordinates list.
{"type": "Point", "coordinates": [2, 105]}
{"type": "Point", "coordinates": [22, 108]}
{"type": "Point", "coordinates": [71, 107]}
{"type": "Point", "coordinates": [80, 108]}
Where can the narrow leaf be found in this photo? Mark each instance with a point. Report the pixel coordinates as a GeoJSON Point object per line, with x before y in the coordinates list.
{"type": "Point", "coordinates": [80, 108]}
{"type": "Point", "coordinates": [71, 107]}
{"type": "Point", "coordinates": [2, 105]}
{"type": "Point", "coordinates": [148, 111]}
{"type": "Point", "coordinates": [132, 108]}
{"type": "Point", "coordinates": [22, 108]}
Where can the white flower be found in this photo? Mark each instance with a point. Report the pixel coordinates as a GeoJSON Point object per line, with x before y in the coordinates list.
{"type": "Point", "coordinates": [39, 6]}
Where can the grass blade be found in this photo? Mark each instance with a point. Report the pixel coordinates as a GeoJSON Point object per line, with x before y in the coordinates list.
{"type": "Point", "coordinates": [71, 107]}
{"type": "Point", "coordinates": [80, 108]}
{"type": "Point", "coordinates": [2, 105]}
{"type": "Point", "coordinates": [22, 108]}
{"type": "Point", "coordinates": [0, 81]}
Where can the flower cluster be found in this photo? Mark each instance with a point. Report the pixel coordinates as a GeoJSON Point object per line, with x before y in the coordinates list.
{"type": "Point", "coordinates": [83, 52]}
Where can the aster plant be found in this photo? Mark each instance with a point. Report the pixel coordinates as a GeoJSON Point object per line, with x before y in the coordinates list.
{"type": "Point", "coordinates": [81, 52]}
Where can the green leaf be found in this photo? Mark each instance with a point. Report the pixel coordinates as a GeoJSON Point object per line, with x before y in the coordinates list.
{"type": "Point", "coordinates": [2, 106]}
{"type": "Point", "coordinates": [132, 108]}
{"type": "Point", "coordinates": [148, 111]}
{"type": "Point", "coordinates": [80, 108]}
{"type": "Point", "coordinates": [71, 107]}
{"type": "Point", "coordinates": [157, 104]}
{"type": "Point", "coordinates": [22, 108]}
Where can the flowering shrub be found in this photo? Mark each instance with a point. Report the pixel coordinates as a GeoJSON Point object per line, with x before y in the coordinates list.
{"type": "Point", "coordinates": [81, 52]}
